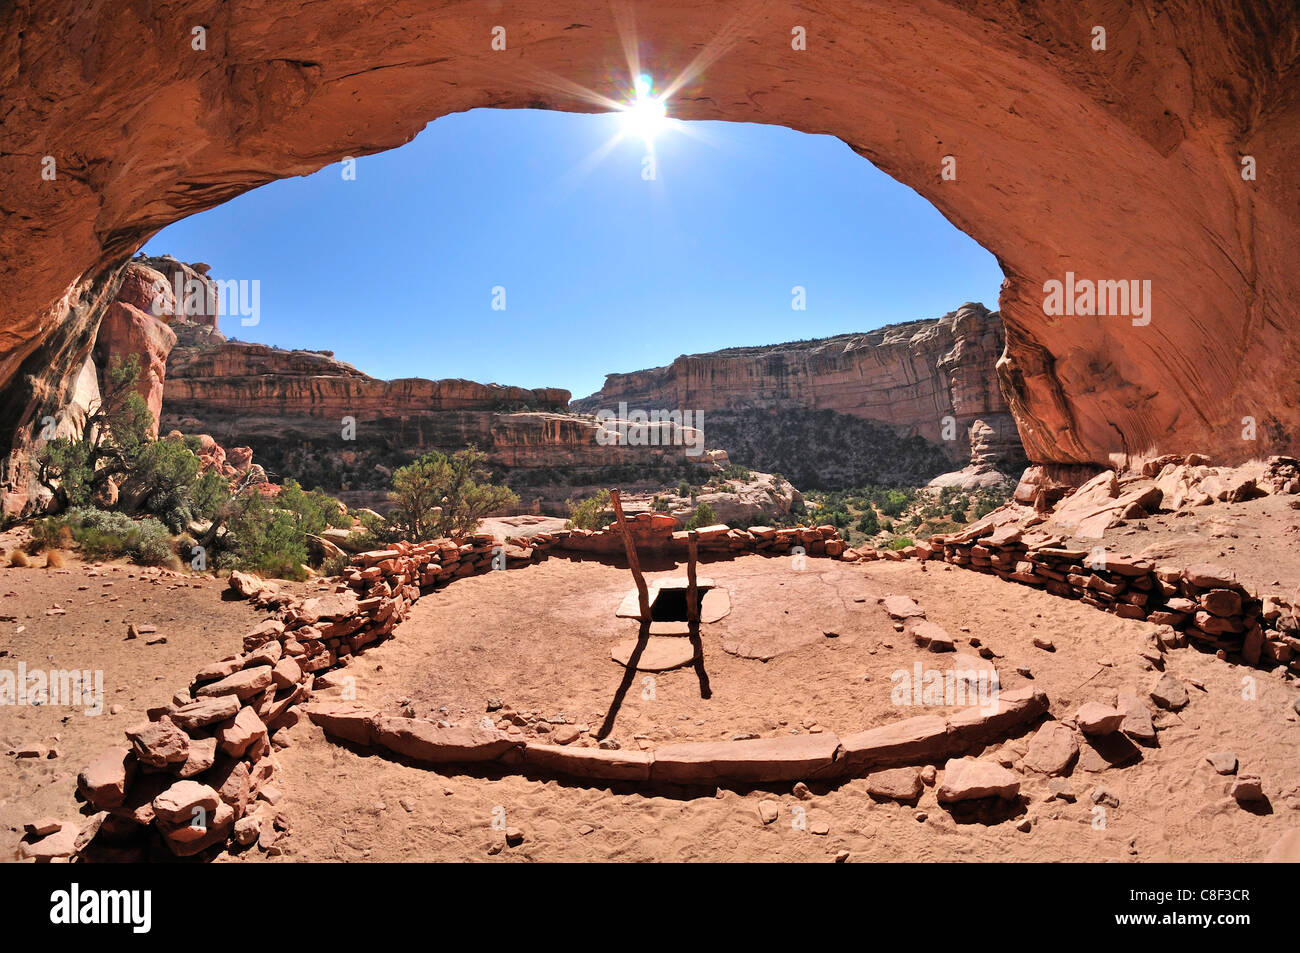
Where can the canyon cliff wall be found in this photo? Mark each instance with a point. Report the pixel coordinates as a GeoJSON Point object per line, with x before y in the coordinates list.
{"type": "Point", "coordinates": [321, 421]}
{"type": "Point", "coordinates": [798, 408]}
{"type": "Point", "coordinates": [907, 376]}
{"type": "Point", "coordinates": [1162, 154]}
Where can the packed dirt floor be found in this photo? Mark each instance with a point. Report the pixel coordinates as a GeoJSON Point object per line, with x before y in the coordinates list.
{"type": "Point", "coordinates": [536, 642]}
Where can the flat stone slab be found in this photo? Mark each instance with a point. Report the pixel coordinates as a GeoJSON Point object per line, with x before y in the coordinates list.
{"type": "Point", "coordinates": [715, 606]}
{"type": "Point", "coordinates": [681, 582]}
{"type": "Point", "coordinates": [660, 654]}
{"type": "Point", "coordinates": [791, 758]}
{"type": "Point", "coordinates": [349, 722]}
{"type": "Point", "coordinates": [242, 685]}
{"type": "Point", "coordinates": [425, 742]}
{"type": "Point", "coordinates": [912, 740]}
{"type": "Point", "coordinates": [630, 607]}
{"type": "Point", "coordinates": [902, 607]}
{"type": "Point", "coordinates": [994, 721]}
{"type": "Point", "coordinates": [594, 763]}
{"type": "Point", "coordinates": [205, 711]}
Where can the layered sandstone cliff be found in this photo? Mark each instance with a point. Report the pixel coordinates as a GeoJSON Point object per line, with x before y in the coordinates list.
{"type": "Point", "coordinates": [783, 406]}
{"type": "Point", "coordinates": [321, 421]}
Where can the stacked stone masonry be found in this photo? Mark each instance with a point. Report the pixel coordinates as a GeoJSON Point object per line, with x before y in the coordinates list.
{"type": "Point", "coordinates": [199, 770]}
{"type": "Point", "coordinates": [1204, 603]}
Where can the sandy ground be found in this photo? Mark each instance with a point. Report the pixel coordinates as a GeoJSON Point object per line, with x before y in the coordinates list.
{"type": "Point", "coordinates": [538, 639]}
{"type": "Point", "coordinates": [1259, 539]}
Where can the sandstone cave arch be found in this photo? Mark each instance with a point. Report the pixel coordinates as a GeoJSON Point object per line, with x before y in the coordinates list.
{"type": "Point", "coordinates": [1114, 164]}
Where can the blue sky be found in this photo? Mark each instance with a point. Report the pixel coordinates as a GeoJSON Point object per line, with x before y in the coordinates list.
{"type": "Point", "coordinates": [603, 270]}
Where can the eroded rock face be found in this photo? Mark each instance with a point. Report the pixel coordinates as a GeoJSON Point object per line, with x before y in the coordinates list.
{"type": "Point", "coordinates": [292, 408]}
{"type": "Point", "coordinates": [933, 379]}
{"type": "Point", "coordinates": [1114, 165]}
{"type": "Point", "coordinates": [130, 329]}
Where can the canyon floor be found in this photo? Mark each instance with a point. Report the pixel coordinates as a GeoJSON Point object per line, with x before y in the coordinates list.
{"type": "Point", "coordinates": [538, 641]}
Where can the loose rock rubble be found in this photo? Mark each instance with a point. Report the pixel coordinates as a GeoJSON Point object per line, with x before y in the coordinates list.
{"type": "Point", "coordinates": [1204, 603]}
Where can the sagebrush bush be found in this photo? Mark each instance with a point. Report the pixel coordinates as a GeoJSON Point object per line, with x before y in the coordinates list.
{"type": "Point", "coordinates": [152, 544]}
{"type": "Point", "coordinates": [105, 535]}
{"type": "Point", "coordinates": [335, 565]}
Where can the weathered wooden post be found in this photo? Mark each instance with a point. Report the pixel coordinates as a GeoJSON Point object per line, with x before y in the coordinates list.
{"type": "Point", "coordinates": [643, 594]}
{"type": "Point", "coordinates": [692, 591]}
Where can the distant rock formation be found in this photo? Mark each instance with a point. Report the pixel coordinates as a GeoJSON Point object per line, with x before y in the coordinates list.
{"type": "Point", "coordinates": [899, 404]}
{"type": "Point", "coordinates": [319, 420]}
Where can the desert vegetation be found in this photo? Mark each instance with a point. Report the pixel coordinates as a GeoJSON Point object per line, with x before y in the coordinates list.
{"type": "Point", "coordinates": [896, 516]}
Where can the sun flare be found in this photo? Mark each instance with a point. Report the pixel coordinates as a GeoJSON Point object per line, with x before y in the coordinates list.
{"type": "Point", "coordinates": [646, 115]}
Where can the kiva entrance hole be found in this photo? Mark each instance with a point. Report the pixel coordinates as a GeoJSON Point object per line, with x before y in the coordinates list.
{"type": "Point", "coordinates": [670, 605]}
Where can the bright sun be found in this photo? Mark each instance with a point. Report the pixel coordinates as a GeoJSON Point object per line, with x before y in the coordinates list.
{"type": "Point", "coordinates": [647, 115]}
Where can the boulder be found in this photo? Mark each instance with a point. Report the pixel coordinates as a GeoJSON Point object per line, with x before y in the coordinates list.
{"type": "Point", "coordinates": [1052, 750]}
{"type": "Point", "coordinates": [183, 801]}
{"type": "Point", "coordinates": [966, 779]}
{"type": "Point", "coordinates": [896, 784]}
{"type": "Point", "coordinates": [244, 583]}
{"type": "Point", "coordinates": [238, 733]}
{"type": "Point", "coordinates": [159, 743]}
{"type": "Point", "coordinates": [1169, 693]}
{"type": "Point", "coordinates": [1097, 719]}
{"type": "Point", "coordinates": [104, 782]}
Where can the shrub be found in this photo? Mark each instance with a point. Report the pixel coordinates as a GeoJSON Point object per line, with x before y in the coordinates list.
{"type": "Point", "coordinates": [104, 535]}
{"type": "Point", "coordinates": [439, 495]}
{"type": "Point", "coordinates": [335, 565]}
{"type": "Point", "coordinates": [113, 435]}
{"type": "Point", "coordinates": [151, 545]}
{"type": "Point", "coordinates": [53, 559]}
{"type": "Point", "coordinates": [894, 502]}
{"type": "Point", "coordinates": [208, 494]}
{"type": "Point", "coordinates": [868, 523]}
{"type": "Point", "coordinates": [592, 513]}
{"type": "Point", "coordinates": [160, 478]}
{"type": "Point", "coordinates": [900, 542]}
{"type": "Point", "coordinates": [18, 558]}
{"type": "Point", "coordinates": [703, 516]}
{"type": "Point", "coordinates": [264, 539]}
{"type": "Point", "coordinates": [50, 533]}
